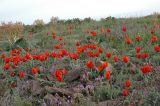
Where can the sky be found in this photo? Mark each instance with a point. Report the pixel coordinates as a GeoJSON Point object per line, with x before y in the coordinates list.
{"type": "Point", "coordinates": [27, 11]}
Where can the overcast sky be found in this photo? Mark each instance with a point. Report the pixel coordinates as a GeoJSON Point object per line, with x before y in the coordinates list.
{"type": "Point", "coordinates": [29, 10]}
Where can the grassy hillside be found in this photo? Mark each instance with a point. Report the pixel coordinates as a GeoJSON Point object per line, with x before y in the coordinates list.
{"type": "Point", "coordinates": [110, 62]}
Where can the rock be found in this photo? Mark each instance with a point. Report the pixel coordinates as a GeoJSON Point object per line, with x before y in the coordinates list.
{"type": "Point", "coordinates": [3, 88]}
{"type": "Point", "coordinates": [7, 99]}
{"type": "Point", "coordinates": [133, 68]}
{"type": "Point", "coordinates": [36, 88]}
{"type": "Point", "coordinates": [56, 100]}
{"type": "Point", "coordinates": [50, 77]}
{"type": "Point", "coordinates": [75, 75]}
{"type": "Point", "coordinates": [60, 91]}
{"type": "Point", "coordinates": [24, 87]}
{"type": "Point", "coordinates": [78, 88]}
{"type": "Point", "coordinates": [50, 100]}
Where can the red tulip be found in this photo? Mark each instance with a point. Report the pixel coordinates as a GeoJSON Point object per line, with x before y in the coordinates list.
{"type": "Point", "coordinates": [91, 53]}
{"type": "Point", "coordinates": [100, 50]}
{"type": "Point", "coordinates": [73, 56]}
{"type": "Point", "coordinates": [27, 49]}
{"type": "Point", "coordinates": [21, 74]}
{"type": "Point", "coordinates": [125, 92]}
{"type": "Point", "coordinates": [128, 83]}
{"type": "Point", "coordinates": [105, 64]}
{"type": "Point", "coordinates": [96, 54]}
{"type": "Point", "coordinates": [145, 55]}
{"type": "Point", "coordinates": [35, 70]}
{"type": "Point", "coordinates": [28, 56]}
{"type": "Point", "coordinates": [93, 33]}
{"type": "Point", "coordinates": [108, 75]}
{"type": "Point", "coordinates": [90, 64]}
{"type": "Point", "coordinates": [128, 41]}
{"type": "Point", "coordinates": [12, 73]}
{"type": "Point", "coordinates": [7, 60]}
{"type": "Point", "coordinates": [59, 75]}
{"type": "Point", "coordinates": [157, 48]}
{"type": "Point", "coordinates": [53, 35]}
{"type": "Point", "coordinates": [138, 49]}
{"type": "Point", "coordinates": [79, 50]}
{"type": "Point", "coordinates": [138, 38]}
{"type": "Point", "coordinates": [64, 72]}
{"type": "Point", "coordinates": [54, 54]}
{"type": "Point", "coordinates": [125, 59]}
{"type": "Point", "coordinates": [124, 29]}
{"type": "Point", "coordinates": [60, 38]}
{"type": "Point", "coordinates": [57, 46]}
{"type": "Point", "coordinates": [60, 78]}
{"type": "Point", "coordinates": [3, 55]}
{"type": "Point", "coordinates": [108, 55]}
{"type": "Point", "coordinates": [154, 38]}
{"type": "Point", "coordinates": [116, 59]}
{"type": "Point", "coordinates": [146, 69]}
{"type": "Point", "coordinates": [102, 30]}
{"type": "Point", "coordinates": [47, 53]}
{"type": "Point", "coordinates": [138, 56]}
{"type": "Point", "coordinates": [78, 44]}
{"type": "Point", "coordinates": [24, 59]}
{"type": "Point", "coordinates": [108, 30]}
{"type": "Point", "coordinates": [7, 66]}
{"type": "Point", "coordinates": [100, 67]}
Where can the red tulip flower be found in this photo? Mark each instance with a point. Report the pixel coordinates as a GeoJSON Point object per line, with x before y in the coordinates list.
{"type": "Point", "coordinates": [7, 66]}
{"type": "Point", "coordinates": [138, 56]}
{"type": "Point", "coordinates": [154, 38]}
{"type": "Point", "coordinates": [105, 64]}
{"type": "Point", "coordinates": [128, 41]}
{"type": "Point", "coordinates": [145, 55]}
{"type": "Point", "coordinates": [102, 30]}
{"type": "Point", "coordinates": [116, 59]}
{"type": "Point", "coordinates": [100, 50]}
{"type": "Point", "coordinates": [59, 75]}
{"type": "Point", "coordinates": [21, 74]}
{"type": "Point", "coordinates": [124, 29]}
{"type": "Point", "coordinates": [93, 33]}
{"type": "Point", "coordinates": [78, 44]}
{"type": "Point", "coordinates": [35, 70]}
{"type": "Point", "coordinates": [138, 49]}
{"type": "Point", "coordinates": [3, 55]}
{"type": "Point", "coordinates": [138, 38]}
{"type": "Point", "coordinates": [125, 59]}
{"type": "Point", "coordinates": [53, 35]}
{"type": "Point", "coordinates": [12, 73]}
{"type": "Point", "coordinates": [108, 55]}
{"type": "Point", "coordinates": [108, 75]}
{"type": "Point", "coordinates": [125, 92]}
{"type": "Point", "coordinates": [157, 48]}
{"type": "Point", "coordinates": [128, 83]}
{"type": "Point", "coordinates": [146, 69]}
{"type": "Point", "coordinates": [90, 64]}
{"type": "Point", "coordinates": [60, 38]}
{"type": "Point", "coordinates": [108, 30]}
{"type": "Point", "coordinates": [7, 60]}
